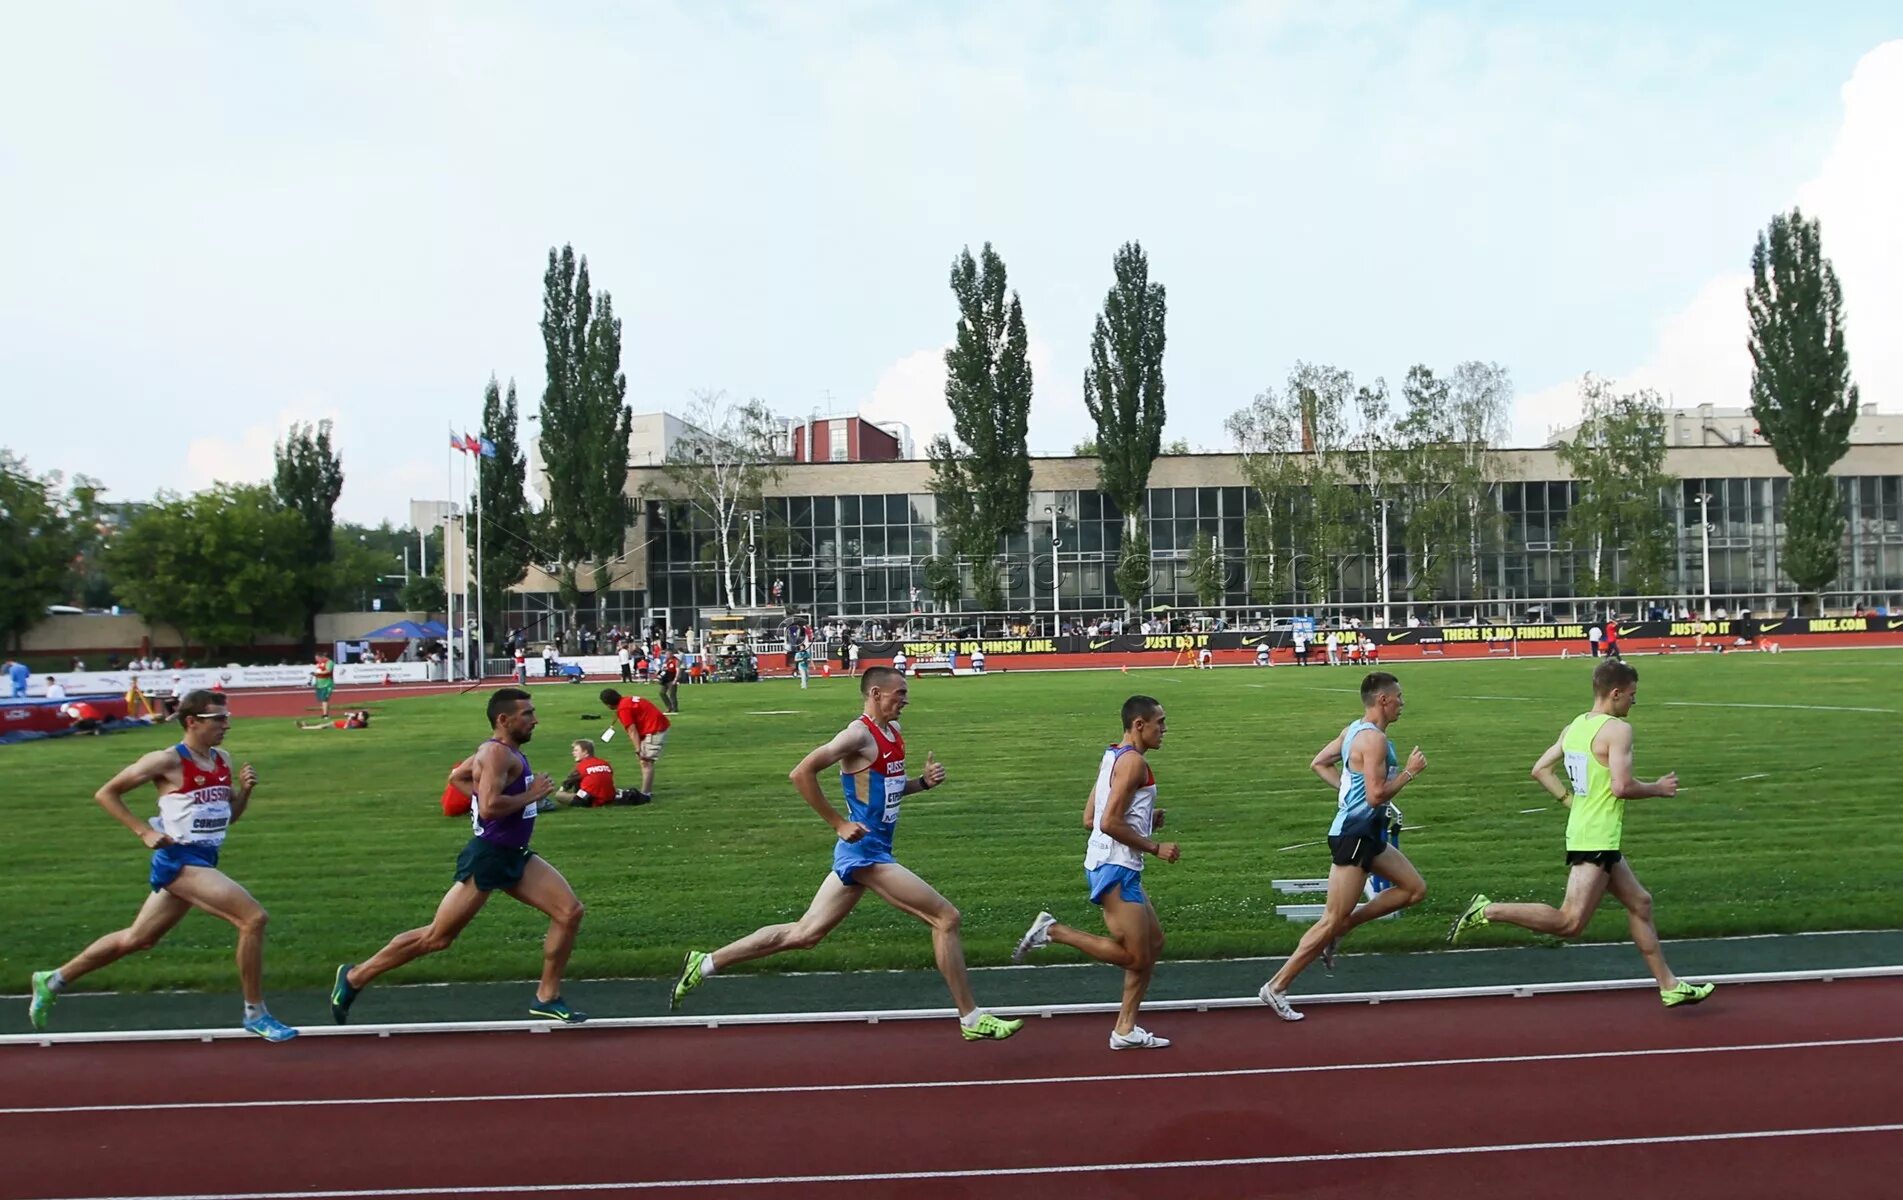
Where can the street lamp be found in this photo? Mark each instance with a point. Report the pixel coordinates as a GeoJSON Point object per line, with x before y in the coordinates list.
{"type": "Point", "coordinates": [1386, 619]}
{"type": "Point", "coordinates": [1704, 537]}
{"type": "Point", "coordinates": [1056, 596]}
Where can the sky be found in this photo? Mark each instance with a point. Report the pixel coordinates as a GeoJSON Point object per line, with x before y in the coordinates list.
{"type": "Point", "coordinates": [217, 219]}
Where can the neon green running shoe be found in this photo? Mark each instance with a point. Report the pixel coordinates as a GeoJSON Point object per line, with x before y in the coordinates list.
{"type": "Point", "coordinates": [989, 1029]}
{"type": "Point", "coordinates": [44, 998]}
{"type": "Point", "coordinates": [1473, 918]}
{"type": "Point", "coordinates": [693, 969]}
{"type": "Point", "coordinates": [1686, 993]}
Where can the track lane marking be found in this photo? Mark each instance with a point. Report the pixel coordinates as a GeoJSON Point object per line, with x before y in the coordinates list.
{"type": "Point", "coordinates": [1187, 1164]}
{"type": "Point", "coordinates": [933, 1084]}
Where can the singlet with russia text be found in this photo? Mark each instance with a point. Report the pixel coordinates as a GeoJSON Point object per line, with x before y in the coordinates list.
{"type": "Point", "coordinates": [1354, 816]}
{"type": "Point", "coordinates": [1102, 849]}
{"type": "Point", "coordinates": [873, 796]}
{"type": "Point", "coordinates": [1598, 816]}
{"type": "Point", "coordinates": [515, 829]}
{"type": "Point", "coordinates": [198, 813]}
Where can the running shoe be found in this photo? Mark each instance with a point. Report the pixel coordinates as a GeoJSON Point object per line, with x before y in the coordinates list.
{"type": "Point", "coordinates": [1686, 993]}
{"type": "Point", "coordinates": [693, 970]}
{"type": "Point", "coordinates": [1037, 937]}
{"type": "Point", "coordinates": [1138, 1038]}
{"type": "Point", "coordinates": [1279, 1003]}
{"type": "Point", "coordinates": [44, 998]}
{"type": "Point", "coordinates": [342, 995]}
{"type": "Point", "coordinates": [269, 1028]}
{"type": "Point", "coordinates": [1473, 917]}
{"type": "Point", "coordinates": [1328, 954]}
{"type": "Point", "coordinates": [989, 1028]}
{"type": "Point", "coordinates": [557, 1010]}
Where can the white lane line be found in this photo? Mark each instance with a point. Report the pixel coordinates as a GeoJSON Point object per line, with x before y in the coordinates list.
{"type": "Point", "coordinates": [1184, 1164]}
{"type": "Point", "coordinates": [1532, 810]}
{"type": "Point", "coordinates": [933, 1084]}
{"type": "Point", "coordinates": [1798, 707]}
{"type": "Point", "coordinates": [1761, 775]}
{"type": "Point", "coordinates": [1516, 699]}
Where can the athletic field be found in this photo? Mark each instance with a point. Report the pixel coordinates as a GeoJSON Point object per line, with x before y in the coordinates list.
{"type": "Point", "coordinates": [1785, 818]}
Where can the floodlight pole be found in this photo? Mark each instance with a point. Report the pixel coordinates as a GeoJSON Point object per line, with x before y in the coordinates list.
{"type": "Point", "coordinates": [1704, 536]}
{"type": "Point", "coordinates": [1386, 617]}
{"type": "Point", "coordinates": [1056, 596]}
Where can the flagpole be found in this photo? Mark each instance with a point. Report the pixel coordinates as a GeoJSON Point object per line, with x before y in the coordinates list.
{"type": "Point", "coordinates": [449, 596]}
{"type": "Point", "coordinates": [482, 634]}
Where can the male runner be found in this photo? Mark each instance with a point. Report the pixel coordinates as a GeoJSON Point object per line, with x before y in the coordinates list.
{"type": "Point", "coordinates": [1121, 814]}
{"type": "Point", "coordinates": [197, 806]}
{"type": "Point", "coordinates": [497, 858]}
{"type": "Point", "coordinates": [1360, 764]}
{"type": "Point", "coordinates": [323, 678]}
{"type": "Point", "coordinates": [646, 727]}
{"type": "Point", "coordinates": [871, 757]}
{"type": "Point", "coordinates": [1597, 752]}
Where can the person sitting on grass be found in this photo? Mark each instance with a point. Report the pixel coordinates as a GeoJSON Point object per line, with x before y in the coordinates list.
{"type": "Point", "coordinates": [355, 718]}
{"type": "Point", "coordinates": [592, 783]}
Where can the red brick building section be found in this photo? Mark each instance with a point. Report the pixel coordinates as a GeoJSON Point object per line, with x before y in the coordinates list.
{"type": "Point", "coordinates": [842, 439]}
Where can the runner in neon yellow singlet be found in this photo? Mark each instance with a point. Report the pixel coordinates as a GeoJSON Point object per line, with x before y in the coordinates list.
{"type": "Point", "coordinates": [1596, 752]}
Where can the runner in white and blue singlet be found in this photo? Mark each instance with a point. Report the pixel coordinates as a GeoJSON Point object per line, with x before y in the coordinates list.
{"type": "Point", "coordinates": [505, 792]}
{"type": "Point", "coordinates": [1360, 765]}
{"type": "Point", "coordinates": [198, 804]}
{"type": "Point", "coordinates": [870, 754]}
{"type": "Point", "coordinates": [1122, 817]}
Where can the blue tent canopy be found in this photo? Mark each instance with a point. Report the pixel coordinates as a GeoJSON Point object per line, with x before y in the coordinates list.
{"type": "Point", "coordinates": [405, 629]}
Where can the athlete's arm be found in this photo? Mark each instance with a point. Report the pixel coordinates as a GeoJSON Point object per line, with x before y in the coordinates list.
{"type": "Point", "coordinates": [1617, 738]}
{"type": "Point", "coordinates": [149, 768]}
{"type": "Point", "coordinates": [1549, 779]}
{"type": "Point", "coordinates": [1090, 810]}
{"type": "Point", "coordinates": [492, 775]}
{"type": "Point", "coordinates": [463, 775]}
{"type": "Point", "coordinates": [1371, 760]}
{"type": "Point", "coordinates": [1125, 778]}
{"type": "Point", "coordinates": [247, 778]}
{"type": "Point", "coordinates": [855, 740]}
{"type": "Point", "coordinates": [1327, 763]}
{"type": "Point", "coordinates": [929, 778]}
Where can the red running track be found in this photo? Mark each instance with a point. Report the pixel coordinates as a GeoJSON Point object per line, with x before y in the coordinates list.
{"type": "Point", "coordinates": [1768, 1090]}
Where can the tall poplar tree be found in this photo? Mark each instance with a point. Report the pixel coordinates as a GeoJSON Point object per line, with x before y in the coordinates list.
{"type": "Point", "coordinates": [987, 472]}
{"type": "Point", "coordinates": [1801, 393]}
{"type": "Point", "coordinates": [507, 542]}
{"type": "Point", "coordinates": [1123, 389]}
{"type": "Point", "coordinates": [585, 422]}
{"type": "Point", "coordinates": [1617, 461]}
{"type": "Point", "coordinates": [309, 479]}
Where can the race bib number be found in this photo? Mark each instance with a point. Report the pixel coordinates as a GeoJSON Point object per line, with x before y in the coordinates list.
{"type": "Point", "coordinates": [894, 796]}
{"type": "Point", "coordinates": [1576, 771]}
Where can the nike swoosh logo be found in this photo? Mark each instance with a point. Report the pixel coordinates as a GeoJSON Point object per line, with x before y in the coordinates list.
{"type": "Point", "coordinates": [1893, 625]}
{"type": "Point", "coordinates": [1395, 637]}
{"type": "Point", "coordinates": [1769, 627]}
{"type": "Point", "coordinates": [1257, 641]}
{"type": "Point", "coordinates": [1097, 645]}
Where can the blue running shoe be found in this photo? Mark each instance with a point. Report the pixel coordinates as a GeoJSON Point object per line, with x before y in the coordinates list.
{"type": "Point", "coordinates": [269, 1028]}
{"type": "Point", "coordinates": [557, 1010]}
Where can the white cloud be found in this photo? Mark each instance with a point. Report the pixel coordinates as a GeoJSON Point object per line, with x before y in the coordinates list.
{"type": "Point", "coordinates": [912, 390]}
{"type": "Point", "coordinates": [1700, 354]}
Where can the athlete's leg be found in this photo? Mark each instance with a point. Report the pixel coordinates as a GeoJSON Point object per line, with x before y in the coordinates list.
{"type": "Point", "coordinates": [1126, 919]}
{"type": "Point", "coordinates": [1585, 887]}
{"type": "Point", "coordinates": [1408, 888]}
{"type": "Point", "coordinates": [459, 906]}
{"type": "Point", "coordinates": [1344, 888]}
{"type": "Point", "coordinates": [908, 893]}
{"type": "Point", "coordinates": [157, 915]}
{"type": "Point", "coordinates": [1627, 890]}
{"type": "Point", "coordinates": [543, 887]}
{"type": "Point", "coordinates": [829, 907]}
{"type": "Point", "coordinates": [218, 894]}
{"type": "Point", "coordinates": [1128, 945]}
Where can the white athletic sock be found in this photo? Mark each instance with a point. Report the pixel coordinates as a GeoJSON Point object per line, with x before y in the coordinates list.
{"type": "Point", "coordinates": [57, 983]}
{"type": "Point", "coordinates": [253, 1011]}
{"type": "Point", "coordinates": [707, 966]}
{"type": "Point", "coordinates": [970, 1020]}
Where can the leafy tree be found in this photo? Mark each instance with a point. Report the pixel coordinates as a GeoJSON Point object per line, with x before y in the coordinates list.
{"type": "Point", "coordinates": [1124, 391]}
{"type": "Point", "coordinates": [1480, 396]}
{"type": "Point", "coordinates": [1267, 435]}
{"type": "Point", "coordinates": [983, 481]}
{"type": "Point", "coordinates": [40, 536]}
{"type": "Point", "coordinates": [1208, 574]}
{"type": "Point", "coordinates": [1085, 449]}
{"type": "Point", "coordinates": [1617, 461]}
{"type": "Point", "coordinates": [309, 479]}
{"type": "Point", "coordinates": [1178, 446]}
{"type": "Point", "coordinates": [585, 423]}
{"type": "Point", "coordinates": [507, 543]}
{"type": "Point", "coordinates": [1801, 392]}
{"type": "Point", "coordinates": [942, 579]}
{"type": "Point", "coordinates": [222, 567]}
{"type": "Point", "coordinates": [423, 593]}
{"type": "Point", "coordinates": [719, 469]}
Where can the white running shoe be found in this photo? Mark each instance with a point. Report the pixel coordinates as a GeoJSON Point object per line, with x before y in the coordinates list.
{"type": "Point", "coordinates": [1138, 1038]}
{"type": "Point", "coordinates": [1037, 936]}
{"type": "Point", "coordinates": [1279, 1003]}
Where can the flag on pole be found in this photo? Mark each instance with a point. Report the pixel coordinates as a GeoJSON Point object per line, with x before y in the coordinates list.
{"type": "Point", "coordinates": [471, 444]}
{"type": "Point", "coordinates": [456, 443]}
{"type": "Point", "coordinates": [488, 448]}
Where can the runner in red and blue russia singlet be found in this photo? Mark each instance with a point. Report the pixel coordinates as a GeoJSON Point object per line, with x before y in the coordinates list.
{"type": "Point", "coordinates": [873, 797]}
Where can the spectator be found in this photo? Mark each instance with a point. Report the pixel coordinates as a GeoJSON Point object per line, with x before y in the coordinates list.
{"type": "Point", "coordinates": [852, 658]}
{"type": "Point", "coordinates": [626, 658]}
{"type": "Point", "coordinates": [86, 718]}
{"type": "Point", "coordinates": [53, 689]}
{"type": "Point", "coordinates": [592, 783]}
{"type": "Point", "coordinates": [645, 725]}
{"type": "Point", "coordinates": [18, 675]}
{"type": "Point", "coordinates": [1592, 639]}
{"type": "Point", "coordinates": [670, 676]}
{"type": "Point", "coordinates": [521, 667]}
{"type": "Point", "coordinates": [548, 660]}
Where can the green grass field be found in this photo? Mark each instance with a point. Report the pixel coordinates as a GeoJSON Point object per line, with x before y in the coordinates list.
{"type": "Point", "coordinates": [1782, 823]}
